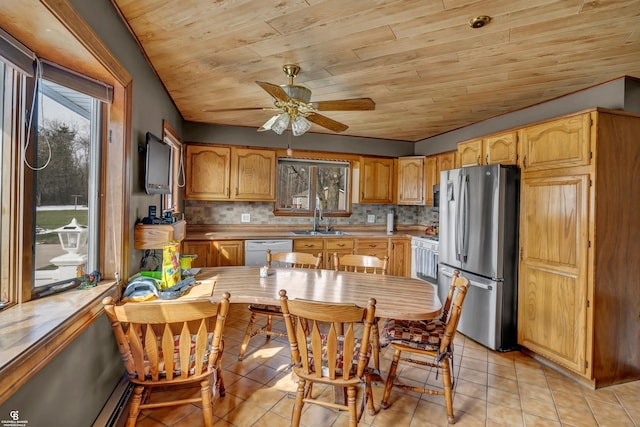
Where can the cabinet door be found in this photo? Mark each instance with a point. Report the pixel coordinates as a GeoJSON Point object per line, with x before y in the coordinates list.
{"type": "Point", "coordinates": [501, 149]}
{"type": "Point", "coordinates": [207, 171]}
{"type": "Point", "coordinates": [253, 174]}
{"type": "Point", "coordinates": [200, 248]}
{"type": "Point", "coordinates": [374, 247]}
{"type": "Point", "coordinates": [552, 292]}
{"type": "Point", "coordinates": [400, 257]}
{"type": "Point", "coordinates": [336, 246]}
{"type": "Point", "coordinates": [557, 144]}
{"type": "Point", "coordinates": [376, 180]}
{"type": "Point", "coordinates": [470, 153]}
{"type": "Point", "coordinates": [229, 252]}
{"type": "Point", "coordinates": [309, 246]}
{"type": "Point", "coordinates": [432, 177]}
{"type": "Point", "coordinates": [411, 184]}
{"type": "Point", "coordinates": [446, 161]}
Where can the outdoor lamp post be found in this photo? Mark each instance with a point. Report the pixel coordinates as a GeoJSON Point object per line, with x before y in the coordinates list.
{"type": "Point", "coordinates": [72, 236]}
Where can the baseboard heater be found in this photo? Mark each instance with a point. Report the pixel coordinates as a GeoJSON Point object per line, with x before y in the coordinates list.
{"type": "Point", "coordinates": [114, 413]}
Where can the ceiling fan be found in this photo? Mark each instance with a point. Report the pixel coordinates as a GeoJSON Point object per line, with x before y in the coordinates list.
{"type": "Point", "coordinates": [293, 106]}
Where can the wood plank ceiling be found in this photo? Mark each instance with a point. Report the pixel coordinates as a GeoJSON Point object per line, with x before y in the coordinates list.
{"type": "Point", "coordinates": [426, 69]}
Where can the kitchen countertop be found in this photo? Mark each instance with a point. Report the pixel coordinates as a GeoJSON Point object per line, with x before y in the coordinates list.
{"type": "Point", "coordinates": [244, 232]}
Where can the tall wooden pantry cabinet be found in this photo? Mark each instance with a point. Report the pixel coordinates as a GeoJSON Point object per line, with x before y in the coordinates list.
{"type": "Point", "coordinates": [579, 278]}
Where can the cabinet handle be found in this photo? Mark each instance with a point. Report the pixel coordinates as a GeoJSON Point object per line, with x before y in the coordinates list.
{"type": "Point", "coordinates": [362, 197]}
{"type": "Point", "coordinates": [236, 191]}
{"type": "Point", "coordinates": [486, 159]}
{"type": "Point", "coordinates": [340, 244]}
{"type": "Point", "coordinates": [373, 245]}
{"type": "Point", "coordinates": [478, 160]}
{"type": "Point", "coordinates": [524, 162]}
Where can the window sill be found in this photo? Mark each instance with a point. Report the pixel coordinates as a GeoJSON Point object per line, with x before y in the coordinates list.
{"type": "Point", "coordinates": [33, 333]}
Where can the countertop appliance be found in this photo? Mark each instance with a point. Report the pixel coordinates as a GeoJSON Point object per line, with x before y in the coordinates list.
{"type": "Point", "coordinates": [479, 237]}
{"type": "Point", "coordinates": [255, 251]}
{"type": "Point", "coordinates": [424, 258]}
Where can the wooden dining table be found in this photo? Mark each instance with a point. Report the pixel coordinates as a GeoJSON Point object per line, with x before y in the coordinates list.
{"type": "Point", "coordinates": [396, 297]}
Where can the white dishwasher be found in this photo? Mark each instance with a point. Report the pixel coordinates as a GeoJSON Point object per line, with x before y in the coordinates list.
{"type": "Point", "coordinates": [255, 251]}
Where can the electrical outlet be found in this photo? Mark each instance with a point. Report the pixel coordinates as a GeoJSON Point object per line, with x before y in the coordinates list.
{"type": "Point", "coordinates": [245, 218]}
{"type": "Point", "coordinates": [371, 218]}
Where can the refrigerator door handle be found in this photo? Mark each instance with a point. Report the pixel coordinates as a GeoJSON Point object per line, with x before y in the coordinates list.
{"type": "Point", "coordinates": [480, 285]}
{"type": "Point", "coordinates": [457, 227]}
{"type": "Point", "coordinates": [465, 235]}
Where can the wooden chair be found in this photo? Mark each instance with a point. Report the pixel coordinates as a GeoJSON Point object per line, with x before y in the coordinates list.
{"type": "Point", "coordinates": [284, 260]}
{"type": "Point", "coordinates": [365, 264]}
{"type": "Point", "coordinates": [360, 263]}
{"type": "Point", "coordinates": [320, 354]}
{"type": "Point", "coordinates": [433, 340]}
{"type": "Point", "coordinates": [170, 343]}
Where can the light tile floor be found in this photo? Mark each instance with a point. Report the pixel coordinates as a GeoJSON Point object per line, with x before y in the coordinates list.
{"type": "Point", "coordinates": [491, 389]}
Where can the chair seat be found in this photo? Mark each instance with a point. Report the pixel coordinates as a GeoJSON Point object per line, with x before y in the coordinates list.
{"type": "Point", "coordinates": [417, 334]}
{"type": "Point", "coordinates": [265, 308]}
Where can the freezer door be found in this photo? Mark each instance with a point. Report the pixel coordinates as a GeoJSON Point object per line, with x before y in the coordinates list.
{"type": "Point", "coordinates": [481, 313]}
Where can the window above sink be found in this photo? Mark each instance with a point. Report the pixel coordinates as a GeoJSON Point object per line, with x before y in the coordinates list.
{"type": "Point", "coordinates": [304, 184]}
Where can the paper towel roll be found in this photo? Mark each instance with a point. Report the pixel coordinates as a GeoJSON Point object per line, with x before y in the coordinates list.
{"type": "Point", "coordinates": [390, 222]}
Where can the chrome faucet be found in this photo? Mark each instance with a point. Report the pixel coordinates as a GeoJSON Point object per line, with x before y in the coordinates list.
{"type": "Point", "coordinates": [317, 214]}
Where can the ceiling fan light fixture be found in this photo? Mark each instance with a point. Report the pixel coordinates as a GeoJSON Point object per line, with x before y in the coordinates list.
{"type": "Point", "coordinates": [268, 124]}
{"type": "Point", "coordinates": [281, 123]}
{"type": "Point", "coordinates": [300, 125]}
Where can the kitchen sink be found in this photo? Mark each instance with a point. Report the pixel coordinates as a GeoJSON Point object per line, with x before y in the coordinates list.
{"type": "Point", "coordinates": [319, 233]}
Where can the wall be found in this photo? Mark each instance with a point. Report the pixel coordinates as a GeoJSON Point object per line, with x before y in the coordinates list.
{"type": "Point", "coordinates": [200, 132]}
{"type": "Point", "coordinates": [620, 94]}
{"type": "Point", "coordinates": [151, 104]}
{"type": "Point", "coordinates": [71, 390]}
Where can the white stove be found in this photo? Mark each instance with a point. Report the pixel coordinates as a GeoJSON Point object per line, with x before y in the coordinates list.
{"type": "Point", "coordinates": [424, 258]}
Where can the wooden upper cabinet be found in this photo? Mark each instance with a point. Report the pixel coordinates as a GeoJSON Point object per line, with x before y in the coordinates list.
{"type": "Point", "coordinates": [207, 170]}
{"type": "Point", "coordinates": [228, 173]}
{"type": "Point", "coordinates": [376, 180]}
{"type": "Point", "coordinates": [253, 174]}
{"type": "Point", "coordinates": [433, 166]}
{"type": "Point", "coordinates": [432, 176]}
{"type": "Point", "coordinates": [411, 181]}
{"type": "Point", "coordinates": [555, 144]}
{"type": "Point", "coordinates": [446, 161]}
{"type": "Point", "coordinates": [470, 153]}
{"type": "Point", "coordinates": [501, 149]}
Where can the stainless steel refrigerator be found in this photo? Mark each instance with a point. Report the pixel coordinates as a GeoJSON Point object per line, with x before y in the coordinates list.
{"type": "Point", "coordinates": [479, 237]}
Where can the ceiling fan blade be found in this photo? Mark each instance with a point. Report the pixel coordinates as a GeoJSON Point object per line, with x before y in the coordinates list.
{"type": "Point", "coordinates": [345, 104]}
{"type": "Point", "coordinates": [326, 122]}
{"type": "Point", "coordinates": [274, 90]}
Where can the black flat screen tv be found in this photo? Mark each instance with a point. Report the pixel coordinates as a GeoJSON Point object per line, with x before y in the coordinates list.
{"type": "Point", "coordinates": [157, 178]}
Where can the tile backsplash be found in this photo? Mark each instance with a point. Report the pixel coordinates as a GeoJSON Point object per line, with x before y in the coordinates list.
{"type": "Point", "coordinates": [201, 212]}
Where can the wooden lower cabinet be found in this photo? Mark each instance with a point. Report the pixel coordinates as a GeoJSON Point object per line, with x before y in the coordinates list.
{"type": "Point", "coordinates": [201, 248]}
{"type": "Point", "coordinates": [376, 247]}
{"type": "Point", "coordinates": [400, 256]}
{"type": "Point", "coordinates": [553, 284]}
{"type": "Point", "coordinates": [327, 246]}
{"type": "Point", "coordinates": [228, 252]}
{"type": "Point", "coordinates": [215, 253]}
